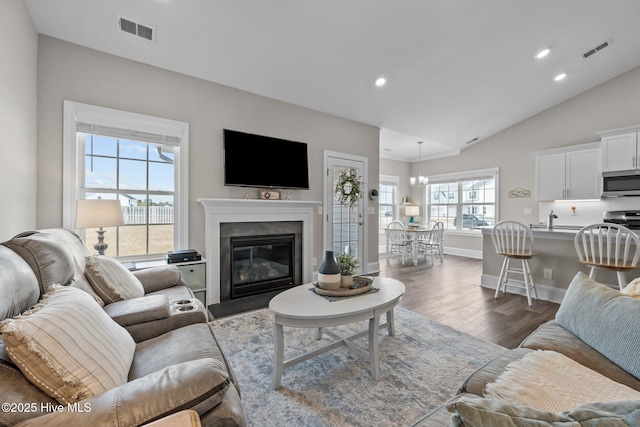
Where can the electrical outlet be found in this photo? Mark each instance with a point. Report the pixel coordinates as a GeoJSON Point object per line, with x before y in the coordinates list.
{"type": "Point", "coordinates": [528, 211]}
{"type": "Point", "coordinates": [548, 273]}
{"type": "Point", "coordinates": [314, 261]}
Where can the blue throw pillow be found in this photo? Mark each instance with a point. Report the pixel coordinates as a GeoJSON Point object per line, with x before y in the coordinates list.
{"type": "Point", "coordinates": [605, 319]}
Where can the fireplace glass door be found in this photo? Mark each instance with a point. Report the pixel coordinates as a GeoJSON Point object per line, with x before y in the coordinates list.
{"type": "Point", "coordinates": [261, 264]}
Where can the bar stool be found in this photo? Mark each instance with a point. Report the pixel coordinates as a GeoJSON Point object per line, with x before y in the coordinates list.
{"type": "Point", "coordinates": [610, 247]}
{"type": "Point", "coordinates": [514, 240]}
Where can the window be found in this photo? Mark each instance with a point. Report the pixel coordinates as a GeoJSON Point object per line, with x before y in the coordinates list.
{"type": "Point", "coordinates": [464, 201]}
{"type": "Point", "coordinates": [138, 160]}
{"type": "Point", "coordinates": [387, 201]}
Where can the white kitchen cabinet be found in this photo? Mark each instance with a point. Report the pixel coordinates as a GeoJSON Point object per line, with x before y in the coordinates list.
{"type": "Point", "coordinates": [620, 152]}
{"type": "Point", "coordinates": [571, 173]}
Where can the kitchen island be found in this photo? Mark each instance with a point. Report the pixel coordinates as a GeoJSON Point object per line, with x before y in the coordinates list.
{"type": "Point", "coordinates": [556, 252]}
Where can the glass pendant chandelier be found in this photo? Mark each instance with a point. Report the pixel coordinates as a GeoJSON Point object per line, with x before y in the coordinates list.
{"type": "Point", "coordinates": [421, 181]}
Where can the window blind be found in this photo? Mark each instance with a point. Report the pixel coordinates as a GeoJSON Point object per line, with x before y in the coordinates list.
{"type": "Point", "coordinates": [135, 135]}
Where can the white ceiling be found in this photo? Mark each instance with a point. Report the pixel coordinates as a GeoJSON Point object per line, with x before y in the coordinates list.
{"type": "Point", "coordinates": [456, 69]}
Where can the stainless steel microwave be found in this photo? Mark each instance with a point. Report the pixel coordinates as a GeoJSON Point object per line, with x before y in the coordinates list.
{"type": "Point", "coordinates": [621, 183]}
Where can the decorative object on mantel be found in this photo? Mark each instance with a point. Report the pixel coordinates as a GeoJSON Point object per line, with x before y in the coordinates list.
{"type": "Point", "coordinates": [246, 196]}
{"type": "Point", "coordinates": [519, 192]}
{"type": "Point", "coordinates": [328, 273]}
{"type": "Point", "coordinates": [349, 188]}
{"type": "Point", "coordinates": [269, 195]}
{"type": "Point", "coordinates": [289, 196]}
{"type": "Point", "coordinates": [347, 265]}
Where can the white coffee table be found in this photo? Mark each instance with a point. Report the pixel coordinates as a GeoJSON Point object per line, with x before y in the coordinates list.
{"type": "Point", "coordinates": [301, 308]}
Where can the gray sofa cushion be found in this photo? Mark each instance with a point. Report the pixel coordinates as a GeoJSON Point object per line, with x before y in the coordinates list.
{"type": "Point", "coordinates": [605, 319]}
{"type": "Point", "coordinates": [551, 336]}
{"type": "Point", "coordinates": [471, 411]}
{"type": "Point", "coordinates": [49, 260]}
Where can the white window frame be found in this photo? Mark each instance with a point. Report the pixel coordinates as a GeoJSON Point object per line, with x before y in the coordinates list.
{"type": "Point", "coordinates": [390, 180]}
{"type": "Point", "coordinates": [465, 176]}
{"type": "Point", "coordinates": [73, 160]}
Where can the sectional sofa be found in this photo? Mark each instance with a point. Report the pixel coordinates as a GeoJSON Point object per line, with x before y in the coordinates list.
{"type": "Point", "coordinates": [86, 342]}
{"type": "Point", "coordinates": [595, 326]}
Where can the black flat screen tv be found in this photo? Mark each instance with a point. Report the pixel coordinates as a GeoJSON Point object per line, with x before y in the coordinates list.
{"type": "Point", "coordinates": [261, 161]}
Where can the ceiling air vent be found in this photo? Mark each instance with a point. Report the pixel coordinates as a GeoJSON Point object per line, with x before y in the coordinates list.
{"type": "Point", "coordinates": [595, 50]}
{"type": "Point", "coordinates": [144, 31]}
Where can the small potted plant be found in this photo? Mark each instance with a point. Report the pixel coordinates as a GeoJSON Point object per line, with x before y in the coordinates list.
{"type": "Point", "coordinates": [347, 265]}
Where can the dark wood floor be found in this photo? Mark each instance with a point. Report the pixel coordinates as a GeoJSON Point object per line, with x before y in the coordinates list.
{"type": "Point", "coordinates": [450, 293]}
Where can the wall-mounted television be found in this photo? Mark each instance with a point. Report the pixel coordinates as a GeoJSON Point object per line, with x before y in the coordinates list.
{"type": "Point", "coordinates": [261, 161]}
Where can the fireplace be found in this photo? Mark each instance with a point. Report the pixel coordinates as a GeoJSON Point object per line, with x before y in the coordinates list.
{"type": "Point", "coordinates": [225, 218]}
{"type": "Point", "coordinates": [261, 264]}
{"type": "Point", "coordinates": [257, 261]}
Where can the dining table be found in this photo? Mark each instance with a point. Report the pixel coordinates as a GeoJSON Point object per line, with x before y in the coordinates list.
{"type": "Point", "coordinates": [417, 235]}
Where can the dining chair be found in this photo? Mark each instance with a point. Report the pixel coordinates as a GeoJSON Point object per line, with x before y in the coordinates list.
{"type": "Point", "coordinates": [433, 244]}
{"type": "Point", "coordinates": [397, 242]}
{"type": "Point", "coordinates": [608, 247]}
{"type": "Point", "coordinates": [514, 241]}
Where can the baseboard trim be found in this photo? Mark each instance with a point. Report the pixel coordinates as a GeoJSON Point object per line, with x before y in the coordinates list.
{"type": "Point", "coordinates": [468, 253]}
{"type": "Point", "coordinates": [545, 292]}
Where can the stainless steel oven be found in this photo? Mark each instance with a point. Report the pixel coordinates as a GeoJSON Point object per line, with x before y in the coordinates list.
{"type": "Point", "coordinates": [617, 184]}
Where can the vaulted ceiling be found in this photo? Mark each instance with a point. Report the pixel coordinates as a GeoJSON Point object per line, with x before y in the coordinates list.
{"type": "Point", "coordinates": [457, 71]}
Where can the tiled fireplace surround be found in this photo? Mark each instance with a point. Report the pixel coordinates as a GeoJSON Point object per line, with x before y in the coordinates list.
{"type": "Point", "coordinates": [233, 211]}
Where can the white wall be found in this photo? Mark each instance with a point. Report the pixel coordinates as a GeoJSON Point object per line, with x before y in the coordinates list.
{"type": "Point", "coordinates": [614, 104]}
{"type": "Point", "coordinates": [71, 72]}
{"type": "Point", "coordinates": [18, 116]}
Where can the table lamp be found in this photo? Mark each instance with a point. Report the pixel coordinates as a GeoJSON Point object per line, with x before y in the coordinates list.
{"type": "Point", "coordinates": [412, 211]}
{"type": "Point", "coordinates": [100, 213]}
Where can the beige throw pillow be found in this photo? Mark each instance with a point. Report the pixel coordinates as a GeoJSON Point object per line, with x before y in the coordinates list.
{"type": "Point", "coordinates": [111, 280]}
{"type": "Point", "coordinates": [68, 346]}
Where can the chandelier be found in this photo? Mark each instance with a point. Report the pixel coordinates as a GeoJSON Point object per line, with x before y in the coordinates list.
{"type": "Point", "coordinates": [421, 181]}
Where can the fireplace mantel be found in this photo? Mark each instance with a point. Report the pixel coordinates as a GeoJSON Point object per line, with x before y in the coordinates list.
{"type": "Point", "coordinates": [219, 211]}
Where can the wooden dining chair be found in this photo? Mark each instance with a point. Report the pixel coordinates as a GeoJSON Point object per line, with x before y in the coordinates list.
{"type": "Point", "coordinates": [608, 247]}
{"type": "Point", "coordinates": [514, 241]}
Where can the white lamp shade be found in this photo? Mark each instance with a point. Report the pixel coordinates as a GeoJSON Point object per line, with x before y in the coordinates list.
{"type": "Point", "coordinates": [412, 210]}
{"type": "Point", "coordinates": [98, 213]}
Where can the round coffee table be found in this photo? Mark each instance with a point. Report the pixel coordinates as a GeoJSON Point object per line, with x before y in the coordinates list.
{"type": "Point", "coordinates": [300, 307]}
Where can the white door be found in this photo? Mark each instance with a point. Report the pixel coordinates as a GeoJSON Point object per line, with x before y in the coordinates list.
{"type": "Point", "coordinates": [344, 226]}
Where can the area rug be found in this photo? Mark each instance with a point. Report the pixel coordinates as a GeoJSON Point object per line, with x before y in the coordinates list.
{"type": "Point", "coordinates": [422, 366]}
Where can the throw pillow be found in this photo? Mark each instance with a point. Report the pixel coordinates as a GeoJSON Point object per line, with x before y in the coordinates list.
{"type": "Point", "coordinates": [633, 288]}
{"type": "Point", "coordinates": [111, 280]}
{"type": "Point", "coordinates": [68, 346]}
{"type": "Point", "coordinates": [474, 411]}
{"type": "Point", "coordinates": [605, 319]}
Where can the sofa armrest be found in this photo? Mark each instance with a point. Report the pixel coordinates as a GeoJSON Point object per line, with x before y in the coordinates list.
{"type": "Point", "coordinates": [198, 384]}
{"type": "Point", "coordinates": [158, 278]}
{"type": "Point", "coordinates": [139, 310]}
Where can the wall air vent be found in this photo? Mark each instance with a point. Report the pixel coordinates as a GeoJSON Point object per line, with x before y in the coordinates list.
{"type": "Point", "coordinates": [144, 31]}
{"type": "Point", "coordinates": [595, 50]}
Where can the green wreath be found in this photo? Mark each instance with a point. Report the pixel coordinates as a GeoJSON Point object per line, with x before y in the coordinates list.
{"type": "Point", "coordinates": [349, 188]}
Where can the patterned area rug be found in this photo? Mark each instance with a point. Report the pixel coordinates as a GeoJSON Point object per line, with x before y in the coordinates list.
{"type": "Point", "coordinates": [421, 367]}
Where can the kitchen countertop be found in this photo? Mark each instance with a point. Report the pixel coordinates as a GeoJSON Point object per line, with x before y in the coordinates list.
{"type": "Point", "coordinates": [559, 232]}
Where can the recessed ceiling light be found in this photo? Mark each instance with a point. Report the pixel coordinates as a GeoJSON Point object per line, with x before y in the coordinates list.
{"type": "Point", "coordinates": [543, 53]}
{"type": "Point", "coordinates": [560, 77]}
{"type": "Point", "coordinates": [381, 81]}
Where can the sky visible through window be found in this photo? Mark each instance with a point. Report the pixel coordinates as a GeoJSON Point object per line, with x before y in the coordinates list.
{"type": "Point", "coordinates": [118, 164]}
